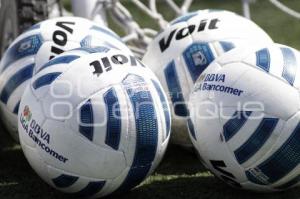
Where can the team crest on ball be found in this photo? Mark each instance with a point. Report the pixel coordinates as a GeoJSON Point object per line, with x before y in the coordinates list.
{"type": "Point", "coordinates": [27, 113]}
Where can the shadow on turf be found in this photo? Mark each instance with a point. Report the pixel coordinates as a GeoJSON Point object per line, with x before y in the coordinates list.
{"type": "Point", "coordinates": [5, 140]}
{"type": "Point", "coordinates": [19, 181]}
{"type": "Point", "coordinates": [201, 188]}
{"type": "Point", "coordinates": [179, 161]}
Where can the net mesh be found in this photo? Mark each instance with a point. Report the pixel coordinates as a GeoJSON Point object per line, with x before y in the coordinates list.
{"type": "Point", "coordinates": [138, 37]}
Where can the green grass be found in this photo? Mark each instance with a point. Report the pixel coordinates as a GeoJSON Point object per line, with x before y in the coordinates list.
{"type": "Point", "coordinates": [180, 175]}
{"type": "Point", "coordinates": [280, 26]}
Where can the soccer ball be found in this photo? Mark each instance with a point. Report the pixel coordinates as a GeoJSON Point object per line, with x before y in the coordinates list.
{"type": "Point", "coordinates": [187, 47]}
{"type": "Point", "coordinates": [245, 117]}
{"type": "Point", "coordinates": [95, 126]}
{"type": "Point", "coordinates": [38, 45]}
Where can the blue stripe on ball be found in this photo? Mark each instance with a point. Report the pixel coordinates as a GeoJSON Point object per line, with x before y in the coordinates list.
{"type": "Point", "coordinates": [256, 140]}
{"type": "Point", "coordinates": [233, 125]}
{"type": "Point", "coordinates": [289, 65]}
{"type": "Point", "coordinates": [45, 80]}
{"type": "Point", "coordinates": [59, 60]}
{"type": "Point", "coordinates": [175, 90]}
{"type": "Point", "coordinates": [16, 80]}
{"type": "Point", "coordinates": [164, 102]}
{"type": "Point", "coordinates": [263, 59]}
{"type": "Point", "coordinates": [91, 189]}
{"type": "Point", "coordinates": [282, 162]}
{"type": "Point", "coordinates": [105, 31]}
{"type": "Point", "coordinates": [86, 127]}
{"type": "Point", "coordinates": [113, 130]}
{"type": "Point", "coordinates": [146, 131]}
{"type": "Point", "coordinates": [25, 47]}
{"type": "Point", "coordinates": [64, 181]}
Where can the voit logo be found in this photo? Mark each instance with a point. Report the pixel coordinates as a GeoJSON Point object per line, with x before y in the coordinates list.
{"type": "Point", "coordinates": [27, 114]}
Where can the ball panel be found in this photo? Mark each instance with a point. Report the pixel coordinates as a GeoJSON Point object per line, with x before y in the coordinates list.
{"type": "Point", "coordinates": [161, 102]}
{"type": "Point", "coordinates": [30, 114]}
{"type": "Point", "coordinates": [35, 161]}
{"type": "Point", "coordinates": [77, 185]}
{"type": "Point", "coordinates": [287, 184]}
{"type": "Point", "coordinates": [27, 46]}
{"type": "Point", "coordinates": [146, 130]}
{"type": "Point", "coordinates": [263, 143]}
{"type": "Point", "coordinates": [241, 88]}
{"type": "Point", "coordinates": [211, 144]}
{"type": "Point", "coordinates": [97, 164]}
{"type": "Point", "coordinates": [47, 53]}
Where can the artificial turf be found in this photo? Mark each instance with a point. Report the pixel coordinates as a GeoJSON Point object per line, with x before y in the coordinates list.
{"type": "Point", "coordinates": [180, 175]}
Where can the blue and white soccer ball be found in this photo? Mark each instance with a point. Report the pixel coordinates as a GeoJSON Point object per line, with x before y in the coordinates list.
{"type": "Point", "coordinates": [181, 52]}
{"type": "Point", "coordinates": [96, 125]}
{"type": "Point", "coordinates": [245, 119]}
{"type": "Point", "coordinates": [37, 46]}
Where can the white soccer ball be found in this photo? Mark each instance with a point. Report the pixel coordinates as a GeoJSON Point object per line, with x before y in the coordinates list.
{"type": "Point", "coordinates": [180, 53]}
{"type": "Point", "coordinates": [245, 117]}
{"type": "Point", "coordinates": [38, 45]}
{"type": "Point", "coordinates": [95, 126]}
